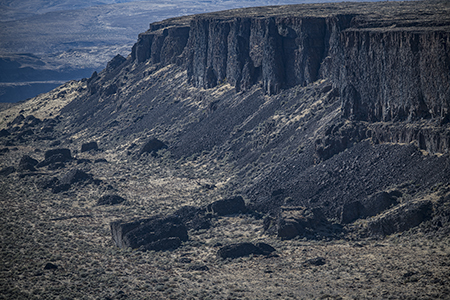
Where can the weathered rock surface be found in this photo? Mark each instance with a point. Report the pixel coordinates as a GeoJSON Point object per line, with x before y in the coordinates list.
{"type": "Point", "coordinates": [229, 206]}
{"type": "Point", "coordinates": [7, 171]}
{"type": "Point", "coordinates": [27, 163]}
{"type": "Point", "coordinates": [152, 146]}
{"type": "Point", "coordinates": [75, 176]}
{"type": "Point", "coordinates": [89, 146]}
{"type": "Point", "coordinates": [368, 207]}
{"type": "Point", "coordinates": [110, 200]}
{"type": "Point", "coordinates": [55, 156]}
{"type": "Point", "coordinates": [156, 233]}
{"type": "Point", "coordinates": [244, 249]}
{"type": "Point", "coordinates": [193, 217]}
{"type": "Point", "coordinates": [295, 221]}
{"type": "Point", "coordinates": [329, 103]}
{"type": "Point", "coordinates": [401, 218]}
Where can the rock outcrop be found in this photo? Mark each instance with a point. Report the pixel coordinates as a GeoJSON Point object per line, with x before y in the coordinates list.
{"type": "Point", "coordinates": [245, 249]}
{"type": "Point", "coordinates": [156, 233]}
{"type": "Point", "coordinates": [385, 66]}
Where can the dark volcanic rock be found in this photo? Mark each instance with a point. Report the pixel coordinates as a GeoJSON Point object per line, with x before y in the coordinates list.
{"type": "Point", "coordinates": [27, 163]}
{"type": "Point", "coordinates": [55, 156]}
{"type": "Point", "coordinates": [65, 153]}
{"type": "Point", "coordinates": [155, 233]}
{"type": "Point", "coordinates": [110, 200]}
{"type": "Point", "coordinates": [295, 221]}
{"type": "Point", "coordinates": [244, 249]}
{"type": "Point", "coordinates": [115, 62]}
{"type": "Point", "coordinates": [229, 206]}
{"type": "Point", "coordinates": [17, 121]}
{"type": "Point", "coordinates": [317, 261]}
{"type": "Point", "coordinates": [193, 217]}
{"type": "Point", "coordinates": [368, 207]}
{"type": "Point", "coordinates": [4, 133]}
{"type": "Point", "coordinates": [7, 170]}
{"type": "Point", "coordinates": [75, 176]}
{"type": "Point", "coordinates": [401, 218]}
{"type": "Point", "coordinates": [152, 146]}
{"type": "Point", "coordinates": [89, 146]}
{"type": "Point", "coordinates": [50, 266]}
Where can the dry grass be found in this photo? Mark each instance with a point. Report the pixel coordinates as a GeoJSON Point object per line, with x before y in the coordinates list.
{"type": "Point", "coordinates": [69, 231]}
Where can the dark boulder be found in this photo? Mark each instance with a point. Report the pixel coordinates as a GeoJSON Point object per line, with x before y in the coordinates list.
{"type": "Point", "coordinates": [27, 163]}
{"type": "Point", "coordinates": [193, 217]}
{"type": "Point", "coordinates": [25, 133]}
{"type": "Point", "coordinates": [244, 249]}
{"type": "Point", "coordinates": [316, 261]}
{"type": "Point", "coordinates": [229, 206]}
{"type": "Point", "coordinates": [292, 221]}
{"type": "Point", "coordinates": [115, 62]}
{"type": "Point", "coordinates": [89, 146]}
{"type": "Point", "coordinates": [371, 206]}
{"type": "Point", "coordinates": [100, 160]}
{"type": "Point", "coordinates": [4, 150]}
{"type": "Point", "coordinates": [65, 153]}
{"type": "Point", "coordinates": [17, 120]}
{"type": "Point", "coordinates": [83, 161]}
{"type": "Point", "coordinates": [31, 121]}
{"type": "Point", "coordinates": [47, 183]}
{"type": "Point", "coordinates": [401, 218]}
{"type": "Point", "coordinates": [50, 266]}
{"type": "Point", "coordinates": [155, 233]}
{"type": "Point", "coordinates": [55, 156]}
{"type": "Point", "coordinates": [4, 133]}
{"type": "Point", "coordinates": [75, 176]}
{"type": "Point", "coordinates": [152, 146]}
{"type": "Point", "coordinates": [110, 200]}
{"type": "Point", "coordinates": [7, 171]}
{"type": "Point", "coordinates": [163, 244]}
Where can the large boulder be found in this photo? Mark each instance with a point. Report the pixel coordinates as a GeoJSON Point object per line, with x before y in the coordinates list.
{"type": "Point", "coordinates": [152, 146]}
{"type": "Point", "coordinates": [229, 206]}
{"type": "Point", "coordinates": [110, 200]}
{"type": "Point", "coordinates": [7, 170]}
{"type": "Point", "coordinates": [17, 120]}
{"type": "Point", "coordinates": [27, 163]}
{"type": "Point", "coordinates": [75, 176]}
{"type": "Point", "coordinates": [292, 221]}
{"type": "Point", "coordinates": [89, 146]}
{"type": "Point", "coordinates": [4, 133]}
{"type": "Point", "coordinates": [370, 206]}
{"type": "Point", "coordinates": [193, 217]}
{"type": "Point", "coordinates": [244, 249]}
{"type": "Point", "coordinates": [401, 218]}
{"type": "Point", "coordinates": [65, 153]}
{"type": "Point", "coordinates": [55, 156]}
{"type": "Point", "coordinates": [156, 233]}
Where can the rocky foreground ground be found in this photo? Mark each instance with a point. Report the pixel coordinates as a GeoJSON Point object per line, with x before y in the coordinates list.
{"type": "Point", "coordinates": [285, 152]}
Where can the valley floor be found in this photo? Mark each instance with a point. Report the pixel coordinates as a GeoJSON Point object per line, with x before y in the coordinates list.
{"type": "Point", "coordinates": [58, 246]}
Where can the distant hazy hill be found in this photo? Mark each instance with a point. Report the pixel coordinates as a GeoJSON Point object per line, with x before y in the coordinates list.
{"type": "Point", "coordinates": [71, 39]}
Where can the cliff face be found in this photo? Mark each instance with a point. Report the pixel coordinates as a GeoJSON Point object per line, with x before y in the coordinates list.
{"type": "Point", "coordinates": [389, 67]}
{"type": "Point", "coordinates": [395, 74]}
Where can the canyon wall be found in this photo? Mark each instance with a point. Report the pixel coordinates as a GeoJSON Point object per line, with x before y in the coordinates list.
{"type": "Point", "coordinates": [395, 69]}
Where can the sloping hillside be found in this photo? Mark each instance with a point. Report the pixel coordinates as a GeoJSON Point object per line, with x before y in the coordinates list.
{"type": "Point", "coordinates": [319, 130]}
